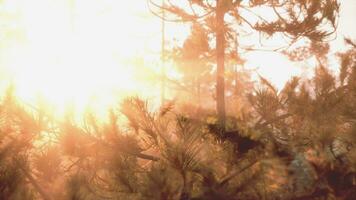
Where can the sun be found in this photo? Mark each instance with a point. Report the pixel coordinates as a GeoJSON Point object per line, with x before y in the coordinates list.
{"type": "Point", "coordinates": [75, 51]}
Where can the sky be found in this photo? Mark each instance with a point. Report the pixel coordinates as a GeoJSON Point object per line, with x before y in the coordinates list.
{"type": "Point", "coordinates": [85, 50]}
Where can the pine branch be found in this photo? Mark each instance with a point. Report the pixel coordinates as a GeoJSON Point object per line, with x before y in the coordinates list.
{"type": "Point", "coordinates": [236, 172]}
{"type": "Point", "coordinates": [35, 183]}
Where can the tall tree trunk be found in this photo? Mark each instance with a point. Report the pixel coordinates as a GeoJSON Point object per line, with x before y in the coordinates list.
{"type": "Point", "coordinates": [220, 54]}
{"type": "Point", "coordinates": [235, 66]}
{"type": "Point", "coordinates": [163, 71]}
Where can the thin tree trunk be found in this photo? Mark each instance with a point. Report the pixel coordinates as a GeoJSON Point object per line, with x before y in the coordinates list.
{"type": "Point", "coordinates": [220, 54]}
{"type": "Point", "coordinates": [163, 71]}
{"type": "Point", "coordinates": [235, 67]}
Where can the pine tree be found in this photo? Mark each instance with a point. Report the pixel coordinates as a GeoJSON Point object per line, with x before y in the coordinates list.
{"type": "Point", "coordinates": [294, 19]}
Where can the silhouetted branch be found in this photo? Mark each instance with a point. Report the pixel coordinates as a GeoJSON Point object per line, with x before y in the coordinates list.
{"type": "Point", "coordinates": [35, 184]}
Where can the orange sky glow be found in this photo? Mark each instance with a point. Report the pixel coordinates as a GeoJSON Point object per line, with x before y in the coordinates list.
{"type": "Point", "coordinates": [91, 52]}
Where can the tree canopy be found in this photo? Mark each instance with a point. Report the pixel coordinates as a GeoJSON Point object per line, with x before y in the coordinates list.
{"type": "Point", "coordinates": [314, 20]}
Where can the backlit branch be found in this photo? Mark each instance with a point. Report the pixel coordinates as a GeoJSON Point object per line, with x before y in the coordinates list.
{"type": "Point", "coordinates": [180, 14]}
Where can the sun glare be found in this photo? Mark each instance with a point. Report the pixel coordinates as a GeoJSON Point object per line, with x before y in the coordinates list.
{"type": "Point", "coordinates": [89, 52]}
{"type": "Point", "coordinates": [75, 51]}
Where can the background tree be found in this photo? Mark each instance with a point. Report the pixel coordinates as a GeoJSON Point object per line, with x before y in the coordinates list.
{"type": "Point", "coordinates": [193, 60]}
{"type": "Point", "coordinates": [314, 20]}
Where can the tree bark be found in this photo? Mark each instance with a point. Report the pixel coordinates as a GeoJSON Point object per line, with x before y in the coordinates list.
{"type": "Point", "coordinates": [220, 54]}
